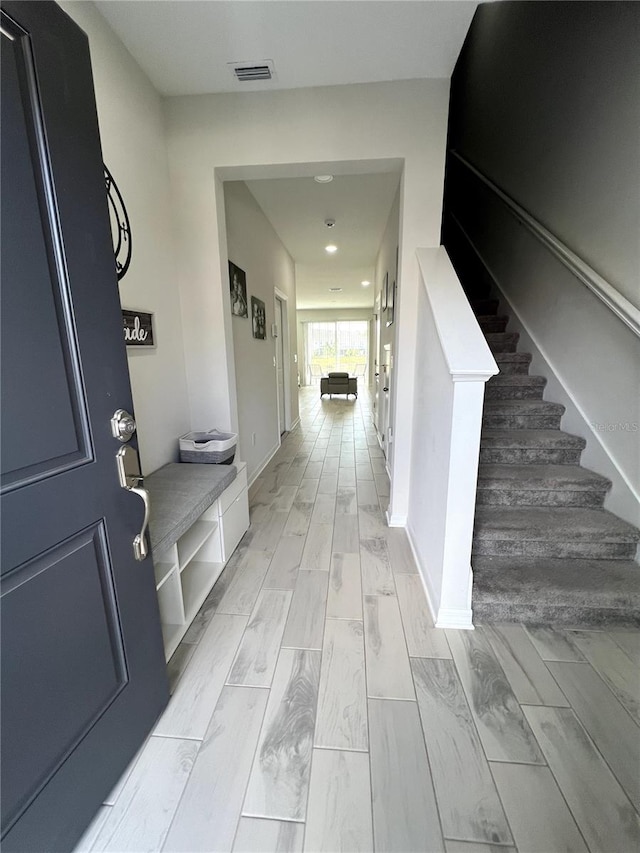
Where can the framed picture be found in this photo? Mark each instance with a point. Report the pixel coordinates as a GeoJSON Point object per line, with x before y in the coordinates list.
{"type": "Point", "coordinates": [238, 284]}
{"type": "Point", "coordinates": [385, 292]}
{"type": "Point", "coordinates": [258, 319]}
{"type": "Point", "coordinates": [391, 304]}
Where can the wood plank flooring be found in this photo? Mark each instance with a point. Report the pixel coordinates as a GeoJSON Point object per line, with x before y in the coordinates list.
{"type": "Point", "coordinates": [315, 707]}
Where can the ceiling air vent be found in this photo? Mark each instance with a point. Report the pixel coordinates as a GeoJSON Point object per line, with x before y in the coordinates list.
{"type": "Point", "coordinates": [249, 72]}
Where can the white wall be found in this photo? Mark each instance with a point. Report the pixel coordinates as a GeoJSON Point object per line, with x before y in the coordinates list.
{"type": "Point", "coordinates": [330, 315]}
{"type": "Point", "coordinates": [235, 136]}
{"type": "Point", "coordinates": [254, 246]}
{"type": "Point", "coordinates": [134, 149]}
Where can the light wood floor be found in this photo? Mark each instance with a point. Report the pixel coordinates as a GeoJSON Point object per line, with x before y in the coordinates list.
{"type": "Point", "coordinates": [316, 708]}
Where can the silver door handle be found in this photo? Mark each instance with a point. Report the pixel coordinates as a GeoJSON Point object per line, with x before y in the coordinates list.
{"type": "Point", "coordinates": [130, 478]}
{"type": "Point", "coordinates": [140, 548]}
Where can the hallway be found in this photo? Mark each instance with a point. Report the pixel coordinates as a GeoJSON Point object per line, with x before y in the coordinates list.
{"type": "Point", "coordinates": [316, 708]}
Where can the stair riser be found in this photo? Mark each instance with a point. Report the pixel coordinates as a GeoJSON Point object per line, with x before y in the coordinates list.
{"type": "Point", "coordinates": [502, 346]}
{"type": "Point", "coordinates": [497, 324]}
{"type": "Point", "coordinates": [513, 367]}
{"type": "Point", "coordinates": [513, 392]}
{"type": "Point", "coordinates": [497, 420]}
{"type": "Point", "coordinates": [529, 456]}
{"type": "Point", "coordinates": [540, 497]}
{"type": "Point", "coordinates": [551, 548]}
{"type": "Point", "coordinates": [484, 306]}
{"type": "Point", "coordinates": [574, 617]}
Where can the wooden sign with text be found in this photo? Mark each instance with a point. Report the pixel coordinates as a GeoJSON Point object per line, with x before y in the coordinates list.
{"type": "Point", "coordinates": [138, 328]}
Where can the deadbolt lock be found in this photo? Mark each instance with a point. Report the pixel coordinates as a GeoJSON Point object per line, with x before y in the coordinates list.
{"type": "Point", "coordinates": [123, 425]}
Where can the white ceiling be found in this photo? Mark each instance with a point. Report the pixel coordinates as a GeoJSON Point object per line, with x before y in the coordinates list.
{"type": "Point", "coordinates": [298, 207]}
{"type": "Point", "coordinates": [184, 45]}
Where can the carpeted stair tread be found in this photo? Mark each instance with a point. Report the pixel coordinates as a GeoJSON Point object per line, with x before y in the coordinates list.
{"type": "Point", "coordinates": [517, 379]}
{"type": "Point", "coordinates": [524, 406]}
{"type": "Point", "coordinates": [502, 341]}
{"type": "Point", "coordinates": [492, 322]}
{"type": "Point", "coordinates": [522, 414]}
{"type": "Point", "coordinates": [551, 477]}
{"type": "Point", "coordinates": [580, 592]}
{"type": "Point", "coordinates": [563, 523]}
{"type": "Point", "coordinates": [513, 362]}
{"type": "Point", "coordinates": [530, 447]}
{"type": "Point", "coordinates": [553, 438]}
{"type": "Point", "coordinates": [507, 386]}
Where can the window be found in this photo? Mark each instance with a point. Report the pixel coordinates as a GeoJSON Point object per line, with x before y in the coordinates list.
{"type": "Point", "coordinates": [340, 345]}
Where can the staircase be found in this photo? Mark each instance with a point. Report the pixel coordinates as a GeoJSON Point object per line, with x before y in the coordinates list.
{"type": "Point", "coordinates": [544, 547]}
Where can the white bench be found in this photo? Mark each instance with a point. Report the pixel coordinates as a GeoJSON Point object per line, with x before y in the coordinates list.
{"type": "Point", "coordinates": [199, 514]}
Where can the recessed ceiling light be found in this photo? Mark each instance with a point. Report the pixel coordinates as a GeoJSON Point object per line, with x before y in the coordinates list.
{"type": "Point", "coordinates": [331, 248]}
{"type": "Point", "coordinates": [323, 179]}
{"type": "Point", "coordinates": [365, 283]}
{"type": "Point", "coordinates": [335, 289]}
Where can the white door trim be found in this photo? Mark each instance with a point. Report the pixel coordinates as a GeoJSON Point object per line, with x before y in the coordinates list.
{"type": "Point", "coordinates": [286, 367]}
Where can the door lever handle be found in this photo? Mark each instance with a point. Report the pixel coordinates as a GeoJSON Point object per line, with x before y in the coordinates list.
{"type": "Point", "coordinates": [131, 479]}
{"type": "Point", "coordinates": [140, 548]}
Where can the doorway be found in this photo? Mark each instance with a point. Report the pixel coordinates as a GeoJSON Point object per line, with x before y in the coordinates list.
{"type": "Point", "coordinates": [281, 332]}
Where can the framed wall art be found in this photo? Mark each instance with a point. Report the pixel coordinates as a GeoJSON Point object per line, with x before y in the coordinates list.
{"type": "Point", "coordinates": [238, 285]}
{"type": "Point", "coordinates": [258, 319]}
{"type": "Point", "coordinates": [391, 304]}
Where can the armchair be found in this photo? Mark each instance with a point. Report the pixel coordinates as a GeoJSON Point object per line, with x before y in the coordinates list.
{"type": "Point", "coordinates": [339, 383]}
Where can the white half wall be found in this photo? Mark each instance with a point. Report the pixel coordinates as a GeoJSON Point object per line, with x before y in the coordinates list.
{"type": "Point", "coordinates": [453, 361]}
{"type": "Point", "coordinates": [255, 247]}
{"type": "Point", "coordinates": [134, 149]}
{"type": "Point", "coordinates": [240, 136]}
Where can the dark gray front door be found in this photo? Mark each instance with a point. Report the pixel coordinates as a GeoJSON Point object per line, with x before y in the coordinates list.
{"type": "Point", "coordinates": [83, 675]}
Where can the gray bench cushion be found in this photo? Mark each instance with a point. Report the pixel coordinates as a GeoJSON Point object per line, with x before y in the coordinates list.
{"type": "Point", "coordinates": [180, 493]}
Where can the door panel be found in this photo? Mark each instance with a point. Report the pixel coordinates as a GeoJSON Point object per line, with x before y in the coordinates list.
{"type": "Point", "coordinates": [82, 659]}
{"type": "Point", "coordinates": [32, 389]}
{"type": "Point", "coordinates": [61, 650]}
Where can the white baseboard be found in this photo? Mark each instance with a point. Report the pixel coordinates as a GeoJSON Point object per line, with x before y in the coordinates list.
{"type": "Point", "coordinates": [460, 619]}
{"type": "Point", "coordinates": [263, 465]}
{"type": "Point", "coordinates": [295, 424]}
{"type": "Point", "coordinates": [396, 520]}
{"type": "Point", "coordinates": [442, 618]}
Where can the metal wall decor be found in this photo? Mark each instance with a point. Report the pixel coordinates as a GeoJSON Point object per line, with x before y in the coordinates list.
{"type": "Point", "coordinates": [120, 227]}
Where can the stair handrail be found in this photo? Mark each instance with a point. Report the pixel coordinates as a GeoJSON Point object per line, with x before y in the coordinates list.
{"type": "Point", "coordinates": [604, 290]}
